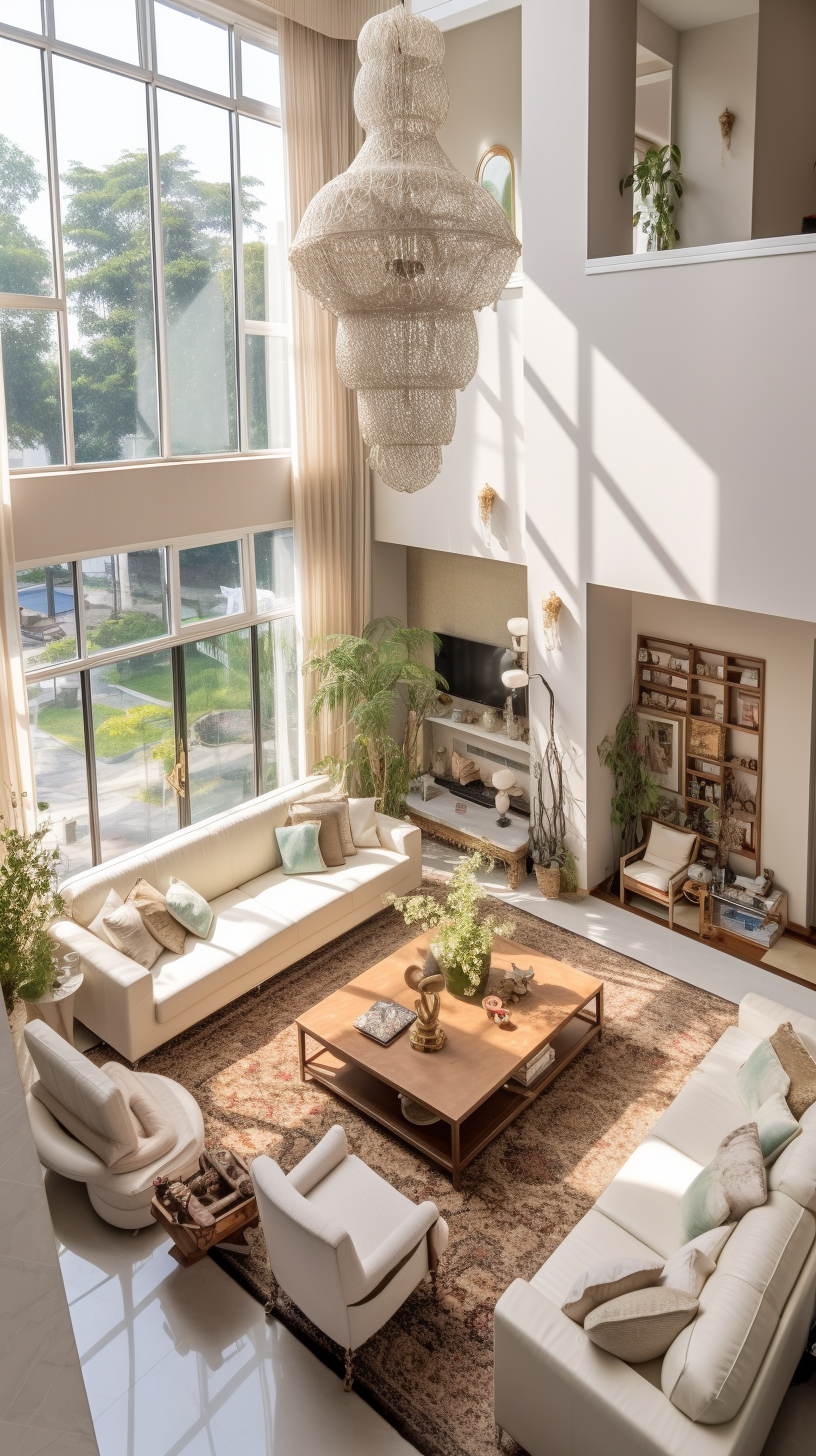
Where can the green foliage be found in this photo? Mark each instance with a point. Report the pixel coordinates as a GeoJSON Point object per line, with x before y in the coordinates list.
{"type": "Point", "coordinates": [363, 680]}
{"type": "Point", "coordinates": [569, 871]}
{"type": "Point", "coordinates": [63, 650]}
{"type": "Point", "coordinates": [658, 181]}
{"type": "Point", "coordinates": [127, 627]}
{"type": "Point", "coordinates": [465, 932]}
{"type": "Point", "coordinates": [137, 727]}
{"type": "Point", "coordinates": [636, 792]}
{"type": "Point", "coordinates": [28, 904]}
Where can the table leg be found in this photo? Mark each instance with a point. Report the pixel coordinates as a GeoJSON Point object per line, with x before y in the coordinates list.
{"type": "Point", "coordinates": [302, 1053]}
{"type": "Point", "coordinates": [599, 1013]}
{"type": "Point", "coordinates": [455, 1153]}
{"type": "Point", "coordinates": [516, 870]}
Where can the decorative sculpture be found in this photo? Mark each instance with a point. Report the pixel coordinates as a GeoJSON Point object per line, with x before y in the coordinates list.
{"type": "Point", "coordinates": [402, 248]}
{"type": "Point", "coordinates": [726, 119]}
{"type": "Point", "coordinates": [551, 611]}
{"type": "Point", "coordinates": [426, 1034]}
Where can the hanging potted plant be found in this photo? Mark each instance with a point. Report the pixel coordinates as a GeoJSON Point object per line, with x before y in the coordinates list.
{"type": "Point", "coordinates": [29, 903]}
{"type": "Point", "coordinates": [636, 792]}
{"type": "Point", "coordinates": [464, 941]}
{"type": "Point", "coordinates": [658, 181]}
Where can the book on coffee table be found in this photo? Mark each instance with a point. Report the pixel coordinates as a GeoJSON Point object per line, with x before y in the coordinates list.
{"type": "Point", "coordinates": [529, 1072]}
{"type": "Point", "coordinates": [384, 1020]}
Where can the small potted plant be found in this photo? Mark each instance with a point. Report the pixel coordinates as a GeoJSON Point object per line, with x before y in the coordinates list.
{"type": "Point", "coordinates": [28, 904]}
{"type": "Point", "coordinates": [464, 940]}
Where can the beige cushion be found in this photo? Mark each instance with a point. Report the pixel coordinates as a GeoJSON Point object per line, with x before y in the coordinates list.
{"type": "Point", "coordinates": [327, 816]}
{"type": "Point", "coordinates": [799, 1065]}
{"type": "Point", "coordinates": [640, 1326]}
{"type": "Point", "coordinates": [652, 876]}
{"type": "Point", "coordinates": [594, 1237]}
{"type": "Point", "coordinates": [742, 1170]}
{"type": "Point", "coordinates": [340, 799]}
{"type": "Point", "coordinates": [113, 901]}
{"type": "Point", "coordinates": [692, 1265]}
{"type": "Point", "coordinates": [128, 932]}
{"type": "Point", "coordinates": [794, 1171]}
{"type": "Point", "coordinates": [150, 904]}
{"type": "Point", "coordinates": [707, 1107]}
{"type": "Point", "coordinates": [712, 1364]}
{"type": "Point", "coordinates": [156, 1134]}
{"type": "Point", "coordinates": [606, 1280]}
{"type": "Point", "coordinates": [645, 1193]}
{"type": "Point", "coordinates": [82, 1097]}
{"type": "Point", "coordinates": [669, 848]}
{"type": "Point", "coordinates": [362, 814]}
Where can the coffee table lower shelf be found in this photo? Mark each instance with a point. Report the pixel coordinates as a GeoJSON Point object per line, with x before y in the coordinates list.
{"type": "Point", "coordinates": [451, 1145]}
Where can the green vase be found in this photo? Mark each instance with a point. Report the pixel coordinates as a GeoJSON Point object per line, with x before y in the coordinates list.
{"type": "Point", "coordinates": [456, 981]}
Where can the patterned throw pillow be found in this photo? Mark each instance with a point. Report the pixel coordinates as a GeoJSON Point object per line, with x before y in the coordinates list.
{"type": "Point", "coordinates": [761, 1076]}
{"type": "Point", "coordinates": [704, 1205]}
{"type": "Point", "coordinates": [152, 907]}
{"type": "Point", "coordinates": [189, 908]}
{"type": "Point", "coordinates": [329, 837]}
{"type": "Point", "coordinates": [299, 850]}
{"type": "Point", "coordinates": [800, 1067]}
{"type": "Point", "coordinates": [606, 1280]}
{"type": "Point", "coordinates": [129, 934]}
{"type": "Point", "coordinates": [341, 802]}
{"type": "Point", "coordinates": [777, 1127]}
{"type": "Point", "coordinates": [742, 1168]}
{"type": "Point", "coordinates": [640, 1326]}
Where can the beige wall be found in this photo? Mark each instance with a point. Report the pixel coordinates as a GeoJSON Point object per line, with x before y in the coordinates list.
{"type": "Point", "coordinates": [717, 68]}
{"type": "Point", "coordinates": [784, 180]}
{"type": "Point", "coordinates": [65, 513]}
{"type": "Point", "coordinates": [612, 51]}
{"type": "Point", "coordinates": [657, 35]}
{"type": "Point", "coordinates": [609, 691]}
{"type": "Point", "coordinates": [464, 595]}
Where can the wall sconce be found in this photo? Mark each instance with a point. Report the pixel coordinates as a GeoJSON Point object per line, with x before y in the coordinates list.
{"type": "Point", "coordinates": [726, 120]}
{"type": "Point", "coordinates": [487, 498]}
{"type": "Point", "coordinates": [551, 611]}
{"type": "Point", "coordinates": [517, 627]}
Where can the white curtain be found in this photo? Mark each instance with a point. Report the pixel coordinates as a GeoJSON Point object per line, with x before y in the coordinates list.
{"type": "Point", "coordinates": [17, 801]}
{"type": "Point", "coordinates": [332, 491]}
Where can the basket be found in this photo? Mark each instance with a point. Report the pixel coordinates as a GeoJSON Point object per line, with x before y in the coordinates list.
{"type": "Point", "coordinates": [549, 880]}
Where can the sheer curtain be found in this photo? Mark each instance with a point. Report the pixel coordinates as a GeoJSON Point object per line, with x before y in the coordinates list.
{"type": "Point", "coordinates": [332, 493]}
{"type": "Point", "coordinates": [17, 802]}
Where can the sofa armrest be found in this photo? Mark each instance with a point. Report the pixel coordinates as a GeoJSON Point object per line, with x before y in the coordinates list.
{"type": "Point", "coordinates": [116, 997]}
{"type": "Point", "coordinates": [319, 1161]}
{"type": "Point", "coordinates": [400, 1243]}
{"type": "Point", "coordinates": [557, 1394]}
{"type": "Point", "coordinates": [398, 835]}
{"type": "Point", "coordinates": [634, 853]}
{"type": "Point", "coordinates": [761, 1016]}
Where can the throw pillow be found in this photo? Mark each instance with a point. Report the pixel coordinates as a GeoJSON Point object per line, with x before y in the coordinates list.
{"type": "Point", "coordinates": [151, 905]}
{"type": "Point", "coordinates": [328, 838]}
{"type": "Point", "coordinates": [338, 797]}
{"type": "Point", "coordinates": [189, 908]}
{"type": "Point", "coordinates": [761, 1076]}
{"type": "Point", "coordinates": [606, 1280]}
{"type": "Point", "coordinates": [640, 1326]}
{"type": "Point", "coordinates": [742, 1169]}
{"type": "Point", "coordinates": [363, 819]}
{"type": "Point", "coordinates": [776, 1126]}
{"type": "Point", "coordinates": [128, 932]}
{"type": "Point", "coordinates": [799, 1065]}
{"type": "Point", "coordinates": [704, 1205]}
{"type": "Point", "coordinates": [299, 850]}
{"type": "Point", "coordinates": [113, 902]}
{"type": "Point", "coordinates": [690, 1266]}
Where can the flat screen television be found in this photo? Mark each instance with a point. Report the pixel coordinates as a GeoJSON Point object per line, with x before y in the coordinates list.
{"type": "Point", "coordinates": [473, 671]}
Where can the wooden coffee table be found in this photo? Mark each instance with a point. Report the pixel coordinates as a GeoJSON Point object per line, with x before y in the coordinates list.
{"type": "Point", "coordinates": [467, 1082]}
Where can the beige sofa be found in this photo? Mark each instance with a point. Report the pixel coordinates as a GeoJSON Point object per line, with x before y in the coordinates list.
{"type": "Point", "coordinates": [264, 920]}
{"type": "Point", "coordinates": [720, 1384]}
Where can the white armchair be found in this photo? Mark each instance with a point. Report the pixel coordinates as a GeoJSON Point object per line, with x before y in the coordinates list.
{"type": "Point", "coordinates": [110, 1128]}
{"type": "Point", "coordinates": [658, 868]}
{"type": "Point", "coordinates": [345, 1246]}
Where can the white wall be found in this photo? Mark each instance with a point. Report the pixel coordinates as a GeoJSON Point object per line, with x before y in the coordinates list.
{"type": "Point", "coordinates": [609, 691]}
{"type": "Point", "coordinates": [653, 108]}
{"type": "Point", "coordinates": [784, 180]}
{"type": "Point", "coordinates": [717, 67]}
{"type": "Point", "coordinates": [483, 68]}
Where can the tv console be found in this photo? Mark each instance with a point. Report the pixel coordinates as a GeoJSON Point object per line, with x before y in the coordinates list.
{"type": "Point", "coordinates": [479, 793]}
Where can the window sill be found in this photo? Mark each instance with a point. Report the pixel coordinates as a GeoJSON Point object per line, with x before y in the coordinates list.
{"type": "Point", "coordinates": [44, 471]}
{"type": "Point", "coordinates": [709, 253]}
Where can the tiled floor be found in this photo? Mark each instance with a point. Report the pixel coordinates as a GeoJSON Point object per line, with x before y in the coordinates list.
{"type": "Point", "coordinates": [184, 1363]}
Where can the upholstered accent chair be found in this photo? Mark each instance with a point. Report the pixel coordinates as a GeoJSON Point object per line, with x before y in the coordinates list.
{"type": "Point", "coordinates": [345, 1246]}
{"type": "Point", "coordinates": [658, 868]}
{"type": "Point", "coordinates": [108, 1127]}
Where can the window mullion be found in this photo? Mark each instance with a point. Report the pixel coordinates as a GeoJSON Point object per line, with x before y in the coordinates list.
{"type": "Point", "coordinates": [79, 611]}
{"type": "Point", "coordinates": [56, 248]}
{"type": "Point", "coordinates": [143, 13]}
{"type": "Point", "coordinates": [159, 292]}
{"type": "Point", "coordinates": [255, 700]}
{"type": "Point", "coordinates": [90, 766]}
{"type": "Point", "coordinates": [238, 273]}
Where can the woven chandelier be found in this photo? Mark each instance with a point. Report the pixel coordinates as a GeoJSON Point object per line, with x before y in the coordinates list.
{"type": "Point", "coordinates": [402, 248]}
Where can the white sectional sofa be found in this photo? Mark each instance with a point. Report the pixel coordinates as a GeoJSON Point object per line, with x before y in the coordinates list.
{"type": "Point", "coordinates": [264, 920]}
{"type": "Point", "coordinates": [720, 1384]}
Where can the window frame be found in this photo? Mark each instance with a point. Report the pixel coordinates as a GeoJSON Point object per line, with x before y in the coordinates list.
{"type": "Point", "coordinates": [236, 104]}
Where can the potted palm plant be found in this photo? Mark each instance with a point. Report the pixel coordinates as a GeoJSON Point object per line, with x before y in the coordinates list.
{"type": "Point", "coordinates": [28, 904]}
{"type": "Point", "coordinates": [464, 940]}
{"type": "Point", "coordinates": [636, 792]}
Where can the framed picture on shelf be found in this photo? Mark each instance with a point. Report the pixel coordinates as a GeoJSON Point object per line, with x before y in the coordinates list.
{"type": "Point", "coordinates": [662, 741]}
{"type": "Point", "coordinates": [707, 740]}
{"type": "Point", "coordinates": [749, 713]}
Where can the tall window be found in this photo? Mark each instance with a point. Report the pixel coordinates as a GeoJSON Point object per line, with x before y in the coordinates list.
{"type": "Point", "coordinates": [133, 672]}
{"type": "Point", "coordinates": [143, 297]}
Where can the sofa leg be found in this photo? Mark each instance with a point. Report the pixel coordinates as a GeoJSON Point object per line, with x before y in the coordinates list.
{"type": "Point", "coordinates": [348, 1378]}
{"type": "Point", "coordinates": [499, 1437]}
{"type": "Point", "coordinates": [269, 1307]}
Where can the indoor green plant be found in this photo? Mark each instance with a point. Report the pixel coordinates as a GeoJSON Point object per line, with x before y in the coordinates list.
{"type": "Point", "coordinates": [366, 679]}
{"type": "Point", "coordinates": [636, 792]}
{"type": "Point", "coordinates": [464, 940]}
{"type": "Point", "coordinates": [659, 183]}
{"type": "Point", "coordinates": [28, 904]}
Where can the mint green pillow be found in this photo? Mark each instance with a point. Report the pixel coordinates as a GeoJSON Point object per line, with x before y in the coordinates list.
{"type": "Point", "coordinates": [761, 1076]}
{"type": "Point", "coordinates": [298, 848]}
{"type": "Point", "coordinates": [188, 907]}
{"type": "Point", "coordinates": [776, 1126]}
{"type": "Point", "coordinates": [704, 1205]}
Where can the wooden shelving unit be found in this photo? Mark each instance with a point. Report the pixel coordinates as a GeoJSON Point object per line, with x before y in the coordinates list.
{"type": "Point", "coordinates": [702, 688]}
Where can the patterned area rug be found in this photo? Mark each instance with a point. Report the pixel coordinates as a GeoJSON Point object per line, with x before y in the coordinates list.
{"type": "Point", "coordinates": [429, 1371]}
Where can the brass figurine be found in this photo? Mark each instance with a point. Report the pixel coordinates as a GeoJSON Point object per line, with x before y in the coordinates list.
{"type": "Point", "coordinates": [426, 1034]}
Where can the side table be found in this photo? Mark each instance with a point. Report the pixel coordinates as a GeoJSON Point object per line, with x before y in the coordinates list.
{"type": "Point", "coordinates": [56, 1008]}
{"type": "Point", "coordinates": [473, 826]}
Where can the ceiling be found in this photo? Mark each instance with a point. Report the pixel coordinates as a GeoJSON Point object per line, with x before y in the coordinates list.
{"type": "Point", "coordinates": [687, 14]}
{"type": "Point", "coordinates": [448, 14]}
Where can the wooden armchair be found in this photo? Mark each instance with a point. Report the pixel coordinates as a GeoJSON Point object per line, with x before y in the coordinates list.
{"type": "Point", "coordinates": [658, 868]}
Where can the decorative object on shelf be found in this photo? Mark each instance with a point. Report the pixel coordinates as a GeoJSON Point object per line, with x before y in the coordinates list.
{"type": "Point", "coordinates": [749, 713]}
{"type": "Point", "coordinates": [444, 703]}
{"type": "Point", "coordinates": [487, 498]}
{"type": "Point", "coordinates": [402, 248]}
{"type": "Point", "coordinates": [658, 181]}
{"type": "Point", "coordinates": [426, 1033]}
{"type": "Point", "coordinates": [636, 792]}
{"type": "Point", "coordinates": [503, 780]}
{"type": "Point", "coordinates": [493, 1005]}
{"type": "Point", "coordinates": [456, 715]}
{"type": "Point", "coordinates": [726, 119]}
{"type": "Point", "coordinates": [749, 677]}
{"type": "Point", "coordinates": [496, 172]}
{"type": "Point", "coordinates": [439, 765]}
{"type": "Point", "coordinates": [706, 740]}
{"type": "Point", "coordinates": [383, 1021]}
{"type": "Point", "coordinates": [465, 933]}
{"type": "Point", "coordinates": [730, 839]}
{"type": "Point", "coordinates": [490, 720]}
{"type": "Point", "coordinates": [515, 984]}
{"type": "Point", "coordinates": [511, 726]}
{"type": "Point", "coordinates": [414, 1111]}
{"type": "Point", "coordinates": [463, 770]}
{"type": "Point", "coordinates": [429, 788]}
{"type": "Point", "coordinates": [551, 611]}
